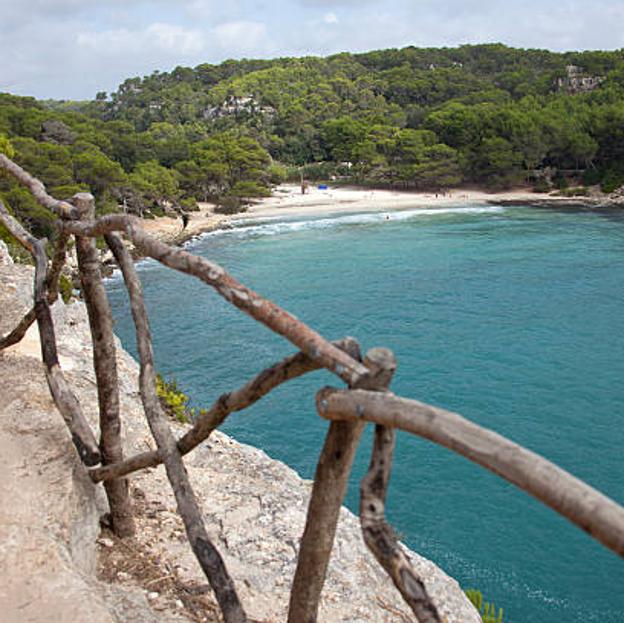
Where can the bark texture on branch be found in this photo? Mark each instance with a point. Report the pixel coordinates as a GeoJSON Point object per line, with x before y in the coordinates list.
{"type": "Point", "coordinates": [379, 535]}
{"type": "Point", "coordinates": [20, 330]}
{"type": "Point", "coordinates": [328, 491]}
{"type": "Point", "coordinates": [589, 509]}
{"type": "Point", "coordinates": [206, 553]}
{"type": "Point", "coordinates": [289, 368]}
{"type": "Point", "coordinates": [36, 187]}
{"type": "Point", "coordinates": [268, 313]}
{"type": "Point", "coordinates": [105, 365]}
{"type": "Point", "coordinates": [64, 399]}
{"type": "Point", "coordinates": [52, 284]}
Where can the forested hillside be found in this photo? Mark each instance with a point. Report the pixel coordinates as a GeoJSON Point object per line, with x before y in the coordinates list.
{"type": "Point", "coordinates": [417, 118]}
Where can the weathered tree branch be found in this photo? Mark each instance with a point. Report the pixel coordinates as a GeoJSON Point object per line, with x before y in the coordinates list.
{"type": "Point", "coordinates": [263, 310]}
{"type": "Point", "coordinates": [589, 509]}
{"type": "Point", "coordinates": [289, 368]}
{"type": "Point", "coordinates": [328, 491]}
{"type": "Point", "coordinates": [206, 553]}
{"type": "Point", "coordinates": [66, 402]}
{"type": "Point", "coordinates": [20, 330]}
{"type": "Point", "coordinates": [105, 365]}
{"type": "Point", "coordinates": [58, 261]}
{"type": "Point", "coordinates": [52, 284]}
{"type": "Point", "coordinates": [379, 535]}
{"type": "Point", "coordinates": [36, 187]}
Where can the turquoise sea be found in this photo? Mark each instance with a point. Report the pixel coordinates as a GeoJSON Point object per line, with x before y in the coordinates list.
{"type": "Point", "coordinates": [511, 316]}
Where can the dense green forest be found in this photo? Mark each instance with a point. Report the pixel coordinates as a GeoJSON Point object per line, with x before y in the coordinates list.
{"type": "Point", "coordinates": [414, 118]}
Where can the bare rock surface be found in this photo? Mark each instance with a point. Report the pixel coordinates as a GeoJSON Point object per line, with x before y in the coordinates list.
{"type": "Point", "coordinates": [56, 564]}
{"type": "Point", "coordinates": [5, 257]}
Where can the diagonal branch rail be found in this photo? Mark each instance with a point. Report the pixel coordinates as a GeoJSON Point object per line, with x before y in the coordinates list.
{"type": "Point", "coordinates": [289, 368]}
{"type": "Point", "coordinates": [206, 553]}
{"type": "Point", "coordinates": [36, 187]}
{"type": "Point", "coordinates": [268, 313]}
{"type": "Point", "coordinates": [587, 508]}
{"type": "Point", "coordinates": [52, 285]}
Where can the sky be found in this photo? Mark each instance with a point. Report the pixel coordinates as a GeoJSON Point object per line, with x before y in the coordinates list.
{"type": "Point", "coordinates": [72, 49]}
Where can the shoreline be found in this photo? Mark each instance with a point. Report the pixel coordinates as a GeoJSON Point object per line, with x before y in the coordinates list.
{"type": "Point", "coordinates": [287, 201]}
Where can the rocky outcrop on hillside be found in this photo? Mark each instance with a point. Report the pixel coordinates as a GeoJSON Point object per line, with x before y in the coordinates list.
{"type": "Point", "coordinates": [57, 563]}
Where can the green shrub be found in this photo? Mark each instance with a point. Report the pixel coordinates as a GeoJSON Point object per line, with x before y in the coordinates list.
{"type": "Point", "coordinates": [173, 400]}
{"type": "Point", "coordinates": [541, 186]}
{"type": "Point", "coordinates": [573, 192]}
{"type": "Point", "coordinates": [249, 189]}
{"type": "Point", "coordinates": [6, 147]}
{"type": "Point", "coordinates": [229, 205]}
{"type": "Point", "coordinates": [277, 173]}
{"type": "Point", "coordinates": [66, 288]}
{"type": "Point", "coordinates": [488, 611]}
{"type": "Point", "coordinates": [37, 219]}
{"type": "Point", "coordinates": [560, 181]}
{"type": "Point", "coordinates": [156, 210]}
{"type": "Point", "coordinates": [591, 177]}
{"type": "Point", "coordinates": [189, 204]}
{"type": "Point", "coordinates": [611, 181]}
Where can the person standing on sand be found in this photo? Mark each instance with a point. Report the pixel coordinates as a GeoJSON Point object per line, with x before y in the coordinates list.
{"type": "Point", "coordinates": [185, 219]}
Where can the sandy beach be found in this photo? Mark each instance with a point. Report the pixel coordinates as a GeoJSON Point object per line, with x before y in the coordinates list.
{"type": "Point", "coordinates": [287, 201]}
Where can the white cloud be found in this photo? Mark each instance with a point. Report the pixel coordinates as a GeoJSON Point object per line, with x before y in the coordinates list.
{"type": "Point", "coordinates": [74, 48]}
{"type": "Point", "coordinates": [161, 36]}
{"type": "Point", "coordinates": [242, 37]}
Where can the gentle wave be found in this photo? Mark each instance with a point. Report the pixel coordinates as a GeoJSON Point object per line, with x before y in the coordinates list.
{"type": "Point", "coordinates": [271, 226]}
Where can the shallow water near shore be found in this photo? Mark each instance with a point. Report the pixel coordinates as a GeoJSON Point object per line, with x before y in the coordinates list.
{"type": "Point", "coordinates": [511, 316]}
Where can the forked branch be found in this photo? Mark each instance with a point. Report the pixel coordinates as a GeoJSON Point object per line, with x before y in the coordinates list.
{"type": "Point", "coordinates": [379, 535]}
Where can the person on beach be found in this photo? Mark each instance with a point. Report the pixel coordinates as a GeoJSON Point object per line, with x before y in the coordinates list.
{"type": "Point", "coordinates": [185, 219]}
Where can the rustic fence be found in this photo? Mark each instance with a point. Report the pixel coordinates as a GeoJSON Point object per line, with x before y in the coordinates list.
{"type": "Point", "coordinates": [366, 399]}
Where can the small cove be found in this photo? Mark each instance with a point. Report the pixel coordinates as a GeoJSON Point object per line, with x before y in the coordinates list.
{"type": "Point", "coordinates": [510, 316]}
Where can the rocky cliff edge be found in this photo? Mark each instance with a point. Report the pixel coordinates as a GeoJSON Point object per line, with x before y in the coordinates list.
{"type": "Point", "coordinates": [58, 563]}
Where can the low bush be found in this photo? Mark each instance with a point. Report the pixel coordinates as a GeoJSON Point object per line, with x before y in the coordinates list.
{"type": "Point", "coordinates": [230, 205]}
{"type": "Point", "coordinates": [173, 400]}
{"type": "Point", "coordinates": [488, 611]}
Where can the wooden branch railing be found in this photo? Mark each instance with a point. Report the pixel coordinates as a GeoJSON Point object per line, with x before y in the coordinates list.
{"type": "Point", "coordinates": [328, 491]}
{"type": "Point", "coordinates": [105, 366]}
{"type": "Point", "coordinates": [52, 285]}
{"type": "Point", "coordinates": [207, 421]}
{"type": "Point", "coordinates": [589, 509]}
{"type": "Point", "coordinates": [367, 399]}
{"type": "Point", "coordinates": [206, 553]}
{"type": "Point", "coordinates": [65, 400]}
{"type": "Point", "coordinates": [268, 313]}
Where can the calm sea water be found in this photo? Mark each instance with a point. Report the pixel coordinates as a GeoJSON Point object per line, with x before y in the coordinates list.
{"type": "Point", "coordinates": [513, 317]}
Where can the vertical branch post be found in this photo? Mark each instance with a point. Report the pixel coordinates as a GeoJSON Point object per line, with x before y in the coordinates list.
{"type": "Point", "coordinates": [328, 491]}
{"type": "Point", "coordinates": [105, 365]}
{"type": "Point", "coordinates": [379, 536]}
{"type": "Point", "coordinates": [206, 553]}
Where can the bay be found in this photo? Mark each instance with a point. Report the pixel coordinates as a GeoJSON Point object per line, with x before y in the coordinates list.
{"type": "Point", "coordinates": [510, 316]}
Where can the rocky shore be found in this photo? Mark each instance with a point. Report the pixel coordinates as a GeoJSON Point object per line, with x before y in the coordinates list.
{"type": "Point", "coordinates": [58, 563]}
